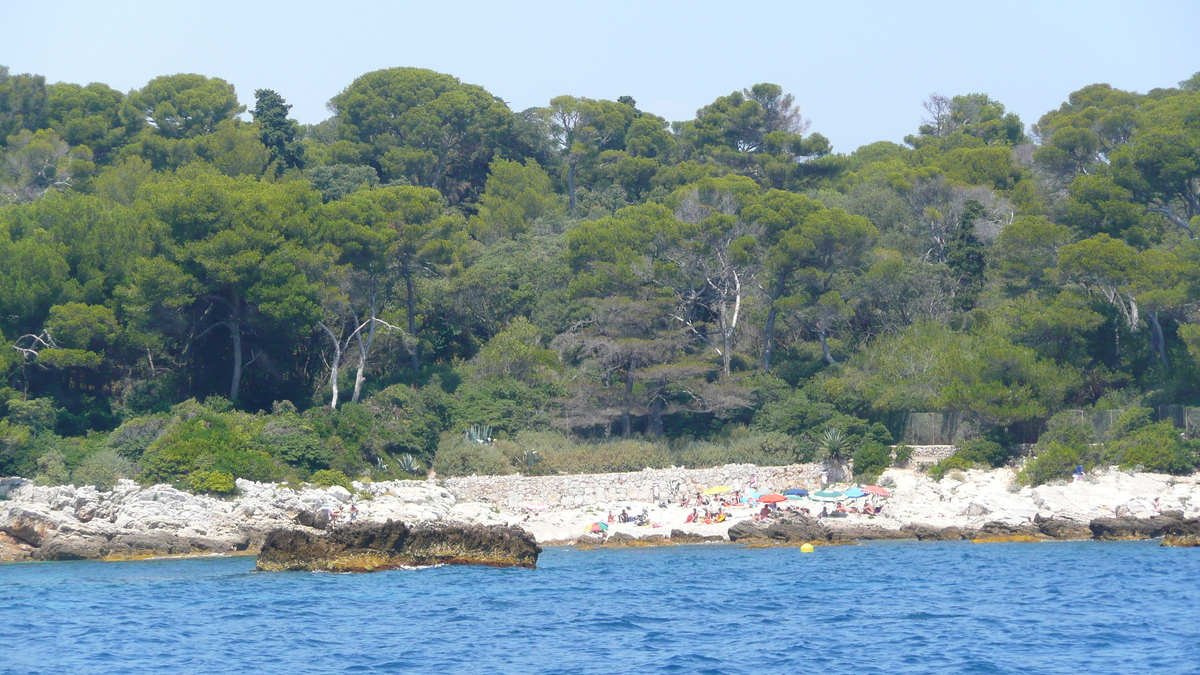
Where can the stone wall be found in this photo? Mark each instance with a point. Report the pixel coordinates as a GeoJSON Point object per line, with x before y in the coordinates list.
{"type": "Point", "coordinates": [930, 454]}
{"type": "Point", "coordinates": [648, 485]}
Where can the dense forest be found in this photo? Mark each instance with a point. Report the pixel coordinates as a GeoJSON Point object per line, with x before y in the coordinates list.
{"type": "Point", "coordinates": [193, 291]}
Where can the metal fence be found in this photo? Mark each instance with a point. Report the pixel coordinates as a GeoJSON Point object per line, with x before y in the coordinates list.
{"type": "Point", "coordinates": [933, 429]}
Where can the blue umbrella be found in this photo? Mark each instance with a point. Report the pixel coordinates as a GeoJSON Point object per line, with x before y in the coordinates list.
{"type": "Point", "coordinates": [796, 491]}
{"type": "Point", "coordinates": [855, 493]}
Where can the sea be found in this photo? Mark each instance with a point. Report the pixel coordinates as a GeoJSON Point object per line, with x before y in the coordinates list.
{"type": "Point", "coordinates": [881, 607]}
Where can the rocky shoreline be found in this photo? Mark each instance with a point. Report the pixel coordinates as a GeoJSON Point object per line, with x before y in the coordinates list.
{"type": "Point", "coordinates": [372, 547]}
{"type": "Point", "coordinates": [133, 522]}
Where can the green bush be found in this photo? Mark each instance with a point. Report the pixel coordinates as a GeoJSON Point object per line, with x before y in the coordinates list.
{"type": "Point", "coordinates": [954, 462]}
{"type": "Point", "coordinates": [1155, 447]}
{"type": "Point", "coordinates": [298, 446]}
{"type": "Point", "coordinates": [1130, 420]}
{"type": "Point", "coordinates": [983, 452]}
{"type": "Point", "coordinates": [794, 414]}
{"type": "Point", "coordinates": [977, 453]}
{"type": "Point", "coordinates": [870, 460]}
{"type": "Point", "coordinates": [701, 455]}
{"type": "Point", "coordinates": [610, 456]}
{"type": "Point", "coordinates": [52, 469]}
{"type": "Point", "coordinates": [1053, 461]}
{"type": "Point", "coordinates": [457, 456]}
{"type": "Point", "coordinates": [39, 414]}
{"type": "Point", "coordinates": [329, 478]}
{"type": "Point", "coordinates": [132, 438]}
{"type": "Point", "coordinates": [211, 482]}
{"type": "Point", "coordinates": [209, 441]}
{"type": "Point", "coordinates": [903, 455]}
{"type": "Point", "coordinates": [103, 469]}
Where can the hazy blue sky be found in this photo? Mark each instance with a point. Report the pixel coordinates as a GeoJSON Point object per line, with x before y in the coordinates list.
{"type": "Point", "coordinates": [859, 70]}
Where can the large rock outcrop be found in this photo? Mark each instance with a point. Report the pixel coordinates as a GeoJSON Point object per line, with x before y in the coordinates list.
{"type": "Point", "coordinates": [1170, 523]}
{"type": "Point", "coordinates": [370, 547]}
{"type": "Point", "coordinates": [789, 529]}
{"type": "Point", "coordinates": [131, 521]}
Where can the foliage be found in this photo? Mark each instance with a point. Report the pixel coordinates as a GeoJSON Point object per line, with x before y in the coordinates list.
{"type": "Point", "coordinates": [457, 456]}
{"type": "Point", "coordinates": [330, 477]}
{"type": "Point", "coordinates": [208, 441]}
{"type": "Point", "coordinates": [103, 469]}
{"type": "Point", "coordinates": [1054, 461]}
{"type": "Point", "coordinates": [600, 287]}
{"type": "Point", "coordinates": [212, 482]}
{"type": "Point", "coordinates": [870, 460]}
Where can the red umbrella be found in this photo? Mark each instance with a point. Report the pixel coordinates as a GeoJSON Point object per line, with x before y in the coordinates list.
{"type": "Point", "coordinates": [876, 490]}
{"type": "Point", "coordinates": [772, 498]}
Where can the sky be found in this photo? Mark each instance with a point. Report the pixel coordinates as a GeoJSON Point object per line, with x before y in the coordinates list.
{"type": "Point", "coordinates": [858, 70]}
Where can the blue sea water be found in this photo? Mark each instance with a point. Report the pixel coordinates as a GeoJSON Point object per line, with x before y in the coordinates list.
{"type": "Point", "coordinates": [886, 607]}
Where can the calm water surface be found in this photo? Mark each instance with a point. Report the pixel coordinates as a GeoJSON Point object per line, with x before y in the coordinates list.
{"type": "Point", "coordinates": [888, 607]}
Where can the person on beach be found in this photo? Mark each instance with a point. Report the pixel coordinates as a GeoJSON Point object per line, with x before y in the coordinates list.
{"type": "Point", "coordinates": [824, 512]}
{"type": "Point", "coordinates": [841, 508]}
{"type": "Point", "coordinates": [691, 517]}
{"type": "Point", "coordinates": [610, 517]}
{"type": "Point", "coordinates": [624, 517]}
{"type": "Point", "coordinates": [353, 513]}
{"type": "Point", "coordinates": [765, 512]}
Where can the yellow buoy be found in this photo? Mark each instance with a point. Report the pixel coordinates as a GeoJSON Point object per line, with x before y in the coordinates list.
{"type": "Point", "coordinates": [806, 548]}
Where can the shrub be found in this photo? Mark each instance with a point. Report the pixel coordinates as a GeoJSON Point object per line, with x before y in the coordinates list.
{"type": "Point", "coordinates": [458, 457]}
{"type": "Point", "coordinates": [329, 478]}
{"type": "Point", "coordinates": [39, 414]}
{"type": "Point", "coordinates": [1053, 461]}
{"type": "Point", "coordinates": [1155, 447]}
{"type": "Point", "coordinates": [870, 460]}
{"type": "Point", "coordinates": [132, 438]}
{"type": "Point", "coordinates": [903, 455]}
{"type": "Point", "coordinates": [103, 469]}
{"type": "Point", "coordinates": [983, 452]}
{"type": "Point", "coordinates": [794, 415]}
{"type": "Point", "coordinates": [296, 445]}
{"type": "Point", "coordinates": [701, 455]}
{"type": "Point", "coordinates": [769, 449]}
{"type": "Point", "coordinates": [52, 469]}
{"type": "Point", "coordinates": [210, 441]}
{"type": "Point", "coordinates": [953, 463]}
{"type": "Point", "coordinates": [626, 454]}
{"type": "Point", "coordinates": [1130, 420]}
{"type": "Point", "coordinates": [211, 482]}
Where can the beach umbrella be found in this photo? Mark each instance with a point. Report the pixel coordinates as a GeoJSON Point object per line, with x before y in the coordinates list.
{"type": "Point", "coordinates": [797, 497]}
{"type": "Point", "coordinates": [772, 498]}
{"type": "Point", "coordinates": [855, 493]}
{"type": "Point", "coordinates": [598, 527]}
{"type": "Point", "coordinates": [876, 490]}
{"type": "Point", "coordinates": [718, 490]}
{"type": "Point", "coordinates": [827, 496]}
{"type": "Point", "coordinates": [797, 491]}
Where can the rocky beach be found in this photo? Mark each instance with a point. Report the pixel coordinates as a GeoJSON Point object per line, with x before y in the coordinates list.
{"type": "Point", "coordinates": [133, 522]}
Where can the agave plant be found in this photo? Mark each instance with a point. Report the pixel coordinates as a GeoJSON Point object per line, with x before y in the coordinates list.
{"type": "Point", "coordinates": [480, 434]}
{"type": "Point", "coordinates": [835, 445]}
{"type": "Point", "coordinates": [527, 460]}
{"type": "Point", "coordinates": [409, 464]}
